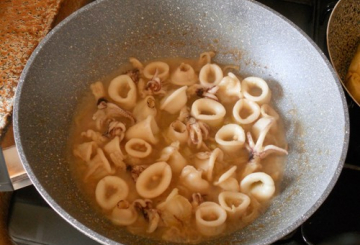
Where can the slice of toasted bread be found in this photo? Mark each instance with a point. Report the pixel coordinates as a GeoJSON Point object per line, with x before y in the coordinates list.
{"type": "Point", "coordinates": [22, 26]}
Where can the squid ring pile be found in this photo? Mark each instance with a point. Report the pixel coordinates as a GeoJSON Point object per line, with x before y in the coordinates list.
{"type": "Point", "coordinates": [178, 149]}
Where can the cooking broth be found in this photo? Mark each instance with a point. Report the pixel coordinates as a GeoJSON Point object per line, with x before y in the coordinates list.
{"type": "Point", "coordinates": [186, 188]}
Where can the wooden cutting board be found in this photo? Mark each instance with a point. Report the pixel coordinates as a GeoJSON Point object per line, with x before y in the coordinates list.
{"type": "Point", "coordinates": [22, 26]}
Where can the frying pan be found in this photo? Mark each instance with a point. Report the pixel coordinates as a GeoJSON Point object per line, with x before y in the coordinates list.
{"type": "Point", "coordinates": [343, 37]}
{"type": "Point", "coordinates": [94, 41]}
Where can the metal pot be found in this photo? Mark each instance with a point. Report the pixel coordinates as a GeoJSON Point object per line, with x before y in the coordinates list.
{"type": "Point", "coordinates": [94, 41]}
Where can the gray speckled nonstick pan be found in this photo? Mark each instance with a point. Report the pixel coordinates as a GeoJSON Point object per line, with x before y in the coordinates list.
{"type": "Point", "coordinates": [94, 41]}
{"type": "Point", "coordinates": [343, 37]}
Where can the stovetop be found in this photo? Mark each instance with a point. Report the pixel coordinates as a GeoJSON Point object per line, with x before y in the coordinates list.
{"type": "Point", "coordinates": [337, 221]}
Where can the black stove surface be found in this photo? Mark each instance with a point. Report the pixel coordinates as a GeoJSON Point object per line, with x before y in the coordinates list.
{"type": "Point", "coordinates": [337, 221]}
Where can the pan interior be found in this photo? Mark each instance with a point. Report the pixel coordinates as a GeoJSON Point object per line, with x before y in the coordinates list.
{"type": "Point", "coordinates": [96, 40]}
